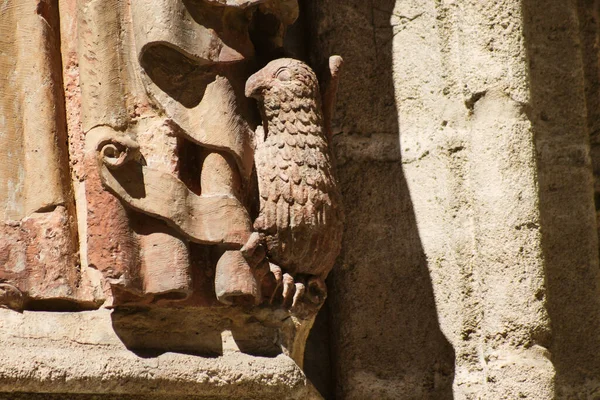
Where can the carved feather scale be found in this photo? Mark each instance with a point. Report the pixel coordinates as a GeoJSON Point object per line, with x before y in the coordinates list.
{"type": "Point", "coordinates": [299, 201]}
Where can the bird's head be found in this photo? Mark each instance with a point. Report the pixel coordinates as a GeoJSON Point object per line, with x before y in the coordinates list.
{"type": "Point", "coordinates": [283, 73]}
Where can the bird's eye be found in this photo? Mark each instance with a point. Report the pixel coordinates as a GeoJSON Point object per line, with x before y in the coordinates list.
{"type": "Point", "coordinates": [283, 74]}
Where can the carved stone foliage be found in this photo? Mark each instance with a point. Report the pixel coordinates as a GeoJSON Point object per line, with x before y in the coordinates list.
{"type": "Point", "coordinates": [188, 179]}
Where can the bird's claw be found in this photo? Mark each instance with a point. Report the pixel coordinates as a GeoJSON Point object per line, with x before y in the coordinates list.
{"type": "Point", "coordinates": [289, 289]}
{"type": "Point", "coordinates": [253, 251]}
{"type": "Point", "coordinates": [293, 292]}
{"type": "Point", "coordinates": [300, 295]}
{"type": "Point", "coordinates": [278, 274]}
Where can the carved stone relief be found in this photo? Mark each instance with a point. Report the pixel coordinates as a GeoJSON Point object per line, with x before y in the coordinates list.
{"type": "Point", "coordinates": [194, 181]}
{"type": "Point", "coordinates": [36, 208]}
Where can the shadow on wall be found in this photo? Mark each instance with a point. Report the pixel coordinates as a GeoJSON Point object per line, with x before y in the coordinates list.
{"type": "Point", "coordinates": [202, 331]}
{"type": "Point", "coordinates": [385, 337]}
{"type": "Point", "coordinates": [561, 44]}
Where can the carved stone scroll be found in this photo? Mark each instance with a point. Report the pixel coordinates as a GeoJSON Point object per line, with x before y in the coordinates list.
{"type": "Point", "coordinates": [214, 219]}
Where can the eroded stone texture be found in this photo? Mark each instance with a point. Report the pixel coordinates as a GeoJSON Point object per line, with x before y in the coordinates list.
{"type": "Point", "coordinates": [142, 195]}
{"type": "Point", "coordinates": [300, 208]}
{"type": "Point", "coordinates": [470, 261]}
{"type": "Point", "coordinates": [168, 165]}
{"type": "Point", "coordinates": [39, 254]}
{"type": "Point", "coordinates": [561, 43]}
{"type": "Point", "coordinates": [495, 102]}
{"type": "Point", "coordinates": [79, 354]}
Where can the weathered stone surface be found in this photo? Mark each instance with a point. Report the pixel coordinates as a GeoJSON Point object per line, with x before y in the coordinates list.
{"type": "Point", "coordinates": [561, 42]}
{"type": "Point", "coordinates": [32, 178]}
{"type": "Point", "coordinates": [143, 195]}
{"type": "Point", "coordinates": [466, 141]}
{"type": "Point", "coordinates": [80, 353]}
{"type": "Point", "coordinates": [38, 239]}
{"type": "Point", "coordinates": [386, 339]}
{"type": "Point", "coordinates": [487, 217]}
{"type": "Point", "coordinates": [38, 257]}
{"type": "Point", "coordinates": [300, 207]}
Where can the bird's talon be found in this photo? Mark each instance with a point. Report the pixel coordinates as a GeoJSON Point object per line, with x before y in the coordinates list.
{"type": "Point", "coordinates": [253, 251]}
{"type": "Point", "coordinates": [301, 295]}
{"type": "Point", "coordinates": [278, 274]}
{"type": "Point", "coordinates": [251, 245]}
{"type": "Point", "coordinates": [289, 289]}
{"type": "Point", "coordinates": [300, 290]}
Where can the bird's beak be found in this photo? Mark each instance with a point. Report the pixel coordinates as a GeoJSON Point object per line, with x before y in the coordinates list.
{"type": "Point", "coordinates": [255, 85]}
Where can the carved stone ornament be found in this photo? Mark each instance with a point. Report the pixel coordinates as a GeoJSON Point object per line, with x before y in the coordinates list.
{"type": "Point", "coordinates": [191, 184]}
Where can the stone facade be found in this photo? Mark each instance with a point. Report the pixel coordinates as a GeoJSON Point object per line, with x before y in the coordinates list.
{"type": "Point", "coordinates": [483, 251]}
{"type": "Point", "coordinates": [465, 145]}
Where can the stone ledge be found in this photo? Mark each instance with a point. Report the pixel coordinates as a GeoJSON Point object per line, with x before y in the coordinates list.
{"type": "Point", "coordinates": [79, 353]}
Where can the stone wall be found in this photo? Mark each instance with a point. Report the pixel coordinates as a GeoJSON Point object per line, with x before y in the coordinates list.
{"type": "Point", "coordinates": [470, 259]}
{"type": "Point", "coordinates": [467, 145]}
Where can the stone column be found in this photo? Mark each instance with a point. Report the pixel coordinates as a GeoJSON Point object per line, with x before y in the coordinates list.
{"type": "Point", "coordinates": [468, 178]}
{"type": "Point", "coordinates": [468, 149]}
{"type": "Point", "coordinates": [561, 40]}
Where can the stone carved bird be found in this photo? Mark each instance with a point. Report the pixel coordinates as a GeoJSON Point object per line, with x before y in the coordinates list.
{"type": "Point", "coordinates": [300, 219]}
